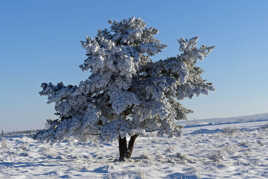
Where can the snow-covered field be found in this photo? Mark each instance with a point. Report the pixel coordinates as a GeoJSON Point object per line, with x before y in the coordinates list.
{"type": "Point", "coordinates": [214, 148]}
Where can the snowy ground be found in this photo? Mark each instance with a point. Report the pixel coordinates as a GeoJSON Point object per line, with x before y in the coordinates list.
{"type": "Point", "coordinates": [215, 148]}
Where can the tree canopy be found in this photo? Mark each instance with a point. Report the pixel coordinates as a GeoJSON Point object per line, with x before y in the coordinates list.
{"type": "Point", "coordinates": [126, 92]}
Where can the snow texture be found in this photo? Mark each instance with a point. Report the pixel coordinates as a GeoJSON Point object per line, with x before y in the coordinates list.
{"type": "Point", "coordinates": [126, 93]}
{"type": "Point", "coordinates": [208, 149]}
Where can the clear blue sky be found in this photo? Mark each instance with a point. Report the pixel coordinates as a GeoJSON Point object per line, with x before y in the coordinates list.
{"type": "Point", "coordinates": [40, 42]}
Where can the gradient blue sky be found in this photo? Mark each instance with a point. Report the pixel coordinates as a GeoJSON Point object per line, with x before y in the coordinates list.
{"type": "Point", "coordinates": [40, 42]}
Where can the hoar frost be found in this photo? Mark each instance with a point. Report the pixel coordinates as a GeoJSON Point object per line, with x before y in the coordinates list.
{"type": "Point", "coordinates": [126, 93]}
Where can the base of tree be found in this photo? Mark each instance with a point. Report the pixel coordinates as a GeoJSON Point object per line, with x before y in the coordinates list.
{"type": "Point", "coordinates": [125, 150]}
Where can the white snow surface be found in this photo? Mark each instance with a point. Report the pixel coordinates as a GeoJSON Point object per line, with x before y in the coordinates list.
{"type": "Point", "coordinates": [208, 149]}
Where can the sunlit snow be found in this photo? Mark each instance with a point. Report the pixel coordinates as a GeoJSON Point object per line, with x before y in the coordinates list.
{"type": "Point", "coordinates": [214, 148]}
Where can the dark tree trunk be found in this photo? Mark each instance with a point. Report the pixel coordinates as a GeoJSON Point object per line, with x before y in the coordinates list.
{"type": "Point", "coordinates": [122, 148]}
{"type": "Point", "coordinates": [131, 145]}
{"type": "Point", "coordinates": [125, 150]}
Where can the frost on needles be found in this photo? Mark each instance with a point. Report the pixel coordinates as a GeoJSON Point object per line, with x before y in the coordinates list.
{"type": "Point", "coordinates": [126, 93]}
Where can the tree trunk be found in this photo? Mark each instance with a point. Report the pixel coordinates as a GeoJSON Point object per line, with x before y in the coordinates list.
{"type": "Point", "coordinates": [122, 148]}
{"type": "Point", "coordinates": [131, 145]}
{"type": "Point", "coordinates": [125, 151]}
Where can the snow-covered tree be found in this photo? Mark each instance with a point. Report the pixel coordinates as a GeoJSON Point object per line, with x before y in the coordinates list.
{"type": "Point", "coordinates": [126, 93]}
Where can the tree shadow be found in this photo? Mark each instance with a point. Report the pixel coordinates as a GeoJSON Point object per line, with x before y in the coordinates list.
{"type": "Point", "coordinates": [103, 169]}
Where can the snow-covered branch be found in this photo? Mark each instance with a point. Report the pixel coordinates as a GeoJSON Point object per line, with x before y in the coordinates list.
{"type": "Point", "coordinates": [126, 92]}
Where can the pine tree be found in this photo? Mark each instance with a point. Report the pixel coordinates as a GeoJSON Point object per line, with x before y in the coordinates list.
{"type": "Point", "coordinates": [126, 93]}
